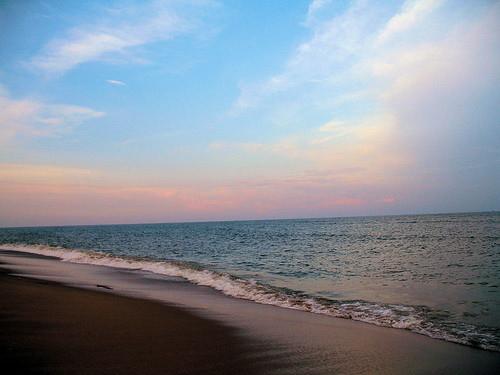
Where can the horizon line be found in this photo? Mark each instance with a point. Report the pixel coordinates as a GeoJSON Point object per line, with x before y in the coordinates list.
{"type": "Point", "coordinates": [244, 220]}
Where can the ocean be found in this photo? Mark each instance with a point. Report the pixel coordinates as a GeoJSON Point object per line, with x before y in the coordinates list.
{"type": "Point", "coordinates": [436, 275]}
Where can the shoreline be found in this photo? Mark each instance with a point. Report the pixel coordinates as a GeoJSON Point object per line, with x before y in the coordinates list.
{"type": "Point", "coordinates": [388, 314]}
{"type": "Point", "coordinates": [46, 327]}
{"type": "Point", "coordinates": [274, 338]}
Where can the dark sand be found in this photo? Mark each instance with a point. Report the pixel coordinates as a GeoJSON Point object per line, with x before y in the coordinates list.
{"type": "Point", "coordinates": [47, 328]}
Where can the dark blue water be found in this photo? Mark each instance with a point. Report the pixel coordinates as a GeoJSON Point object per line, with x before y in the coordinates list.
{"type": "Point", "coordinates": [437, 275]}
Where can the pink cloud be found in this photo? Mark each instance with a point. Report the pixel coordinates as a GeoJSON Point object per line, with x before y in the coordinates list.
{"type": "Point", "coordinates": [388, 200]}
{"type": "Point", "coordinates": [36, 195]}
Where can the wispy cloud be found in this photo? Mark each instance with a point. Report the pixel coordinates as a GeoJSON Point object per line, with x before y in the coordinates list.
{"type": "Point", "coordinates": [116, 34]}
{"type": "Point", "coordinates": [338, 46]}
{"type": "Point", "coordinates": [324, 57]}
{"type": "Point", "coordinates": [31, 117]}
{"type": "Point", "coordinates": [314, 7]}
{"type": "Point", "coordinates": [45, 174]}
{"type": "Point", "coordinates": [411, 13]}
{"type": "Point", "coordinates": [115, 82]}
{"type": "Point", "coordinates": [360, 151]}
{"type": "Point", "coordinates": [76, 195]}
{"type": "Point", "coordinates": [349, 58]}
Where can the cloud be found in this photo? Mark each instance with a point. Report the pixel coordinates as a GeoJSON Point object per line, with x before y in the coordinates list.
{"type": "Point", "coordinates": [345, 69]}
{"type": "Point", "coordinates": [30, 117]}
{"type": "Point", "coordinates": [426, 119]}
{"type": "Point", "coordinates": [115, 36]}
{"type": "Point", "coordinates": [339, 45]}
{"type": "Point", "coordinates": [411, 13]}
{"type": "Point", "coordinates": [365, 151]}
{"type": "Point", "coordinates": [45, 194]}
{"type": "Point", "coordinates": [115, 82]}
{"type": "Point", "coordinates": [442, 94]}
{"type": "Point", "coordinates": [333, 125]}
{"type": "Point", "coordinates": [316, 61]}
{"type": "Point", "coordinates": [45, 174]}
{"type": "Point", "coordinates": [314, 7]}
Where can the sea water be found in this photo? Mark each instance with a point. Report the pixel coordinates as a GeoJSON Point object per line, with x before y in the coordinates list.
{"type": "Point", "coordinates": [437, 275]}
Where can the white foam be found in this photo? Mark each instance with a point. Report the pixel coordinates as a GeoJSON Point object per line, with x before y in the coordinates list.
{"type": "Point", "coordinates": [393, 316]}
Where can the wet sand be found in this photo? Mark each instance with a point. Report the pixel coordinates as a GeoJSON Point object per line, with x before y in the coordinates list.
{"type": "Point", "coordinates": [46, 327]}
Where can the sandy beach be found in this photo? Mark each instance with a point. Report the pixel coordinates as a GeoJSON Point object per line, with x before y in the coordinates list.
{"type": "Point", "coordinates": [47, 328]}
{"type": "Point", "coordinates": [84, 327]}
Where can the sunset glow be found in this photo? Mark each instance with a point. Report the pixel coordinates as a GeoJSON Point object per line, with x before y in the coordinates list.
{"type": "Point", "coordinates": [213, 110]}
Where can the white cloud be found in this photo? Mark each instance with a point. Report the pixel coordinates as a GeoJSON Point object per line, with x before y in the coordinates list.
{"type": "Point", "coordinates": [412, 12]}
{"type": "Point", "coordinates": [115, 82]}
{"type": "Point", "coordinates": [442, 93]}
{"type": "Point", "coordinates": [347, 57]}
{"type": "Point", "coordinates": [314, 7]}
{"type": "Point", "coordinates": [30, 117]}
{"type": "Point", "coordinates": [114, 36]}
{"type": "Point", "coordinates": [321, 58]}
{"type": "Point", "coordinates": [332, 126]}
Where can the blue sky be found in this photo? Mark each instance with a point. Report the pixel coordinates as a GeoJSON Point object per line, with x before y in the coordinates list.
{"type": "Point", "coordinates": [155, 111]}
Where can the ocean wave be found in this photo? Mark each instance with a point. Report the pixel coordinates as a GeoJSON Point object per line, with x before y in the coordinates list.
{"type": "Point", "coordinates": [418, 319]}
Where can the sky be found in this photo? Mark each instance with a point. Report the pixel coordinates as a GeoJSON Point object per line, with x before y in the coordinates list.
{"type": "Point", "coordinates": [168, 111]}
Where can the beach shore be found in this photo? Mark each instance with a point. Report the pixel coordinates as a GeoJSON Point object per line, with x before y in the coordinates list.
{"type": "Point", "coordinates": [59, 317]}
{"type": "Point", "coordinates": [47, 328]}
